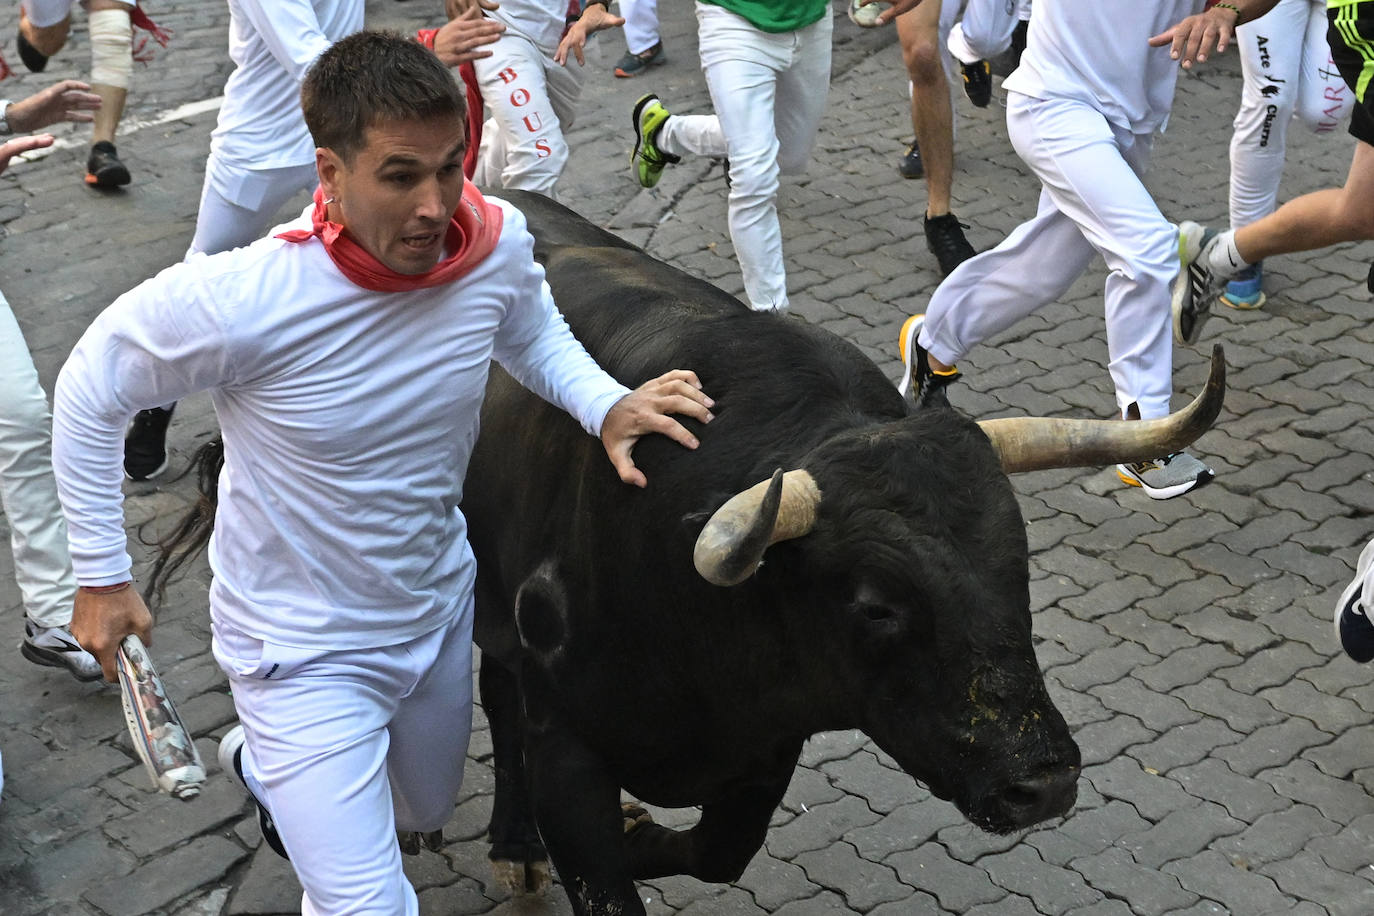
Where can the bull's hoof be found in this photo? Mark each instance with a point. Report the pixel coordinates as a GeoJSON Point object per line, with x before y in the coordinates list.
{"type": "Point", "coordinates": [520, 879]}
{"type": "Point", "coordinates": [635, 817]}
{"type": "Point", "coordinates": [411, 841]}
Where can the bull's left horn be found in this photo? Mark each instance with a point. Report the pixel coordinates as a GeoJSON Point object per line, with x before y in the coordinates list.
{"type": "Point", "coordinates": [731, 545]}
{"type": "Point", "coordinates": [1037, 443]}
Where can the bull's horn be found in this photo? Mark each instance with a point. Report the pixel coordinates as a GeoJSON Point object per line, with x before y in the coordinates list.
{"type": "Point", "coordinates": [1036, 443]}
{"type": "Point", "coordinates": [732, 543]}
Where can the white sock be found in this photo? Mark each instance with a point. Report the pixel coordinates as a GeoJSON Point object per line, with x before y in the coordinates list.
{"type": "Point", "coordinates": [1222, 257]}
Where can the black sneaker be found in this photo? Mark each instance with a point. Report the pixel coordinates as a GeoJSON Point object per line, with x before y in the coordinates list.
{"type": "Point", "coordinates": [34, 59]}
{"type": "Point", "coordinates": [926, 385]}
{"type": "Point", "coordinates": [910, 165]}
{"type": "Point", "coordinates": [978, 82]}
{"type": "Point", "coordinates": [1353, 628]}
{"type": "Point", "coordinates": [945, 239]}
{"type": "Point", "coordinates": [103, 168]}
{"type": "Point", "coordinates": [145, 445]}
{"type": "Point", "coordinates": [1018, 42]}
{"type": "Point", "coordinates": [230, 756]}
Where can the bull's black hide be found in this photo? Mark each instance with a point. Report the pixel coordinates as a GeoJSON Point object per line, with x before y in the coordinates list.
{"type": "Point", "coordinates": [609, 663]}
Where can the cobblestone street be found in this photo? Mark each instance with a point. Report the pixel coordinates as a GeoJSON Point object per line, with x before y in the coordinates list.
{"type": "Point", "coordinates": [1227, 742]}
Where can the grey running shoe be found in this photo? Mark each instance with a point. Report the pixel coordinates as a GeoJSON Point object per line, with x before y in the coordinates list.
{"type": "Point", "coordinates": [1196, 285]}
{"type": "Point", "coordinates": [1354, 631]}
{"type": "Point", "coordinates": [55, 647]}
{"type": "Point", "coordinates": [632, 65]}
{"type": "Point", "coordinates": [230, 755]}
{"type": "Point", "coordinates": [1165, 478]}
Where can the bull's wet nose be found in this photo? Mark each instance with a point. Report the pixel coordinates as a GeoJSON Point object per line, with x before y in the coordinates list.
{"type": "Point", "coordinates": [1035, 798]}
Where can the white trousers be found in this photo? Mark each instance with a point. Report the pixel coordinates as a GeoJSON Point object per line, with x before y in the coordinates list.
{"type": "Point", "coordinates": [529, 100]}
{"type": "Point", "coordinates": [345, 748]}
{"type": "Point", "coordinates": [985, 29]}
{"type": "Point", "coordinates": [769, 93]}
{"type": "Point", "coordinates": [641, 24]}
{"type": "Point", "coordinates": [28, 492]}
{"type": "Point", "coordinates": [45, 13]}
{"type": "Point", "coordinates": [1288, 73]}
{"type": "Point", "coordinates": [1092, 202]}
{"type": "Point", "coordinates": [237, 204]}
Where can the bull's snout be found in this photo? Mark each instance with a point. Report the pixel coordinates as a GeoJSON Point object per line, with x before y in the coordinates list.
{"type": "Point", "coordinates": [1036, 798]}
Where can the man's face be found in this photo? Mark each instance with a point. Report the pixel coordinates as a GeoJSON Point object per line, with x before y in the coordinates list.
{"type": "Point", "coordinates": [397, 195]}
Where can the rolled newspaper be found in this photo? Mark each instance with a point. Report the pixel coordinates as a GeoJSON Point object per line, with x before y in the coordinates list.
{"type": "Point", "coordinates": [162, 742]}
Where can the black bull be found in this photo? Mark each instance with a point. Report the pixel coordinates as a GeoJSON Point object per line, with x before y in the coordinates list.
{"type": "Point", "coordinates": [893, 598]}
{"type": "Point", "coordinates": [683, 641]}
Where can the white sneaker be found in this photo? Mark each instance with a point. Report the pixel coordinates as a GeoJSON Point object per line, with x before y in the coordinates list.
{"type": "Point", "coordinates": [1195, 285]}
{"type": "Point", "coordinates": [55, 647]}
{"type": "Point", "coordinates": [1354, 631]}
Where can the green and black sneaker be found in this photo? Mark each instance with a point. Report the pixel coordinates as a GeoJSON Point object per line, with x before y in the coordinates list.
{"type": "Point", "coordinates": [648, 160]}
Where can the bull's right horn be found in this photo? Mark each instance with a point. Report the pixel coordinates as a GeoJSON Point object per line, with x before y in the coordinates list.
{"type": "Point", "coordinates": [731, 545]}
{"type": "Point", "coordinates": [1037, 443]}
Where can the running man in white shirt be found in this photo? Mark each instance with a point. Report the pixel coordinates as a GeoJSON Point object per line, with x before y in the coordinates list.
{"type": "Point", "coordinates": [1081, 111]}
{"type": "Point", "coordinates": [261, 154]}
{"type": "Point", "coordinates": [347, 359]}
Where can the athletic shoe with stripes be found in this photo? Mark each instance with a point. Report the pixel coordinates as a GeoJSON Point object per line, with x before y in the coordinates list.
{"type": "Point", "coordinates": [1167, 477]}
{"type": "Point", "coordinates": [648, 160]}
{"type": "Point", "coordinates": [1195, 286]}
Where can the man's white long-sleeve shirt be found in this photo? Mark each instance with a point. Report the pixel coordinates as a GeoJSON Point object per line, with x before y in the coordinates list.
{"type": "Point", "coordinates": [272, 44]}
{"type": "Point", "coordinates": [348, 418]}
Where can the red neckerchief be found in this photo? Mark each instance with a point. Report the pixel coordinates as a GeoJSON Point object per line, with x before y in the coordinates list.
{"type": "Point", "coordinates": [472, 234]}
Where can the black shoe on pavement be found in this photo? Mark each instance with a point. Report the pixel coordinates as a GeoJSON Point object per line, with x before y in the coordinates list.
{"type": "Point", "coordinates": [34, 59]}
{"type": "Point", "coordinates": [978, 82]}
{"type": "Point", "coordinates": [230, 754]}
{"type": "Point", "coordinates": [145, 445]}
{"type": "Point", "coordinates": [910, 165]}
{"type": "Point", "coordinates": [103, 168]}
{"type": "Point", "coordinates": [945, 239]}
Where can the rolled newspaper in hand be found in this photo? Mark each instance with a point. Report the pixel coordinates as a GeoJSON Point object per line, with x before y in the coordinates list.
{"type": "Point", "coordinates": [162, 742]}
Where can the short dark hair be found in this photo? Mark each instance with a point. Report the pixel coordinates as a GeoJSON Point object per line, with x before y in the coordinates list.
{"type": "Point", "coordinates": [370, 77]}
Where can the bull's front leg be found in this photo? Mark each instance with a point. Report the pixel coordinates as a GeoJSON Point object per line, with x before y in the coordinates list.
{"type": "Point", "coordinates": [721, 845]}
{"type": "Point", "coordinates": [577, 806]}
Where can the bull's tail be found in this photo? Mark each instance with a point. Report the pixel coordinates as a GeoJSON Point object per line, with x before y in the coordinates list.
{"type": "Point", "coordinates": [188, 539]}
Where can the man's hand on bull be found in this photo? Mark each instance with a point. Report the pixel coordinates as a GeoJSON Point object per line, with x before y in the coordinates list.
{"type": "Point", "coordinates": [595, 18]}
{"type": "Point", "coordinates": [100, 621]}
{"type": "Point", "coordinates": [649, 409]}
{"type": "Point", "coordinates": [462, 38]}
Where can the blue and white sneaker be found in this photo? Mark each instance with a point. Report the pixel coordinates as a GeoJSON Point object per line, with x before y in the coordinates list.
{"type": "Point", "coordinates": [230, 756]}
{"type": "Point", "coordinates": [1246, 290]}
{"type": "Point", "coordinates": [1354, 631]}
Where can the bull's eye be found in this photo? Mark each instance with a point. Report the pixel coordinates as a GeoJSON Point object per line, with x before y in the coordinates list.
{"type": "Point", "coordinates": [876, 613]}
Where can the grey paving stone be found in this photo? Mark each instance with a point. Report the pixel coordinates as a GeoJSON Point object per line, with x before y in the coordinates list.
{"type": "Point", "coordinates": [1271, 746]}
{"type": "Point", "coordinates": [862, 883]}
{"type": "Point", "coordinates": [819, 827]}
{"type": "Point", "coordinates": [167, 877]}
{"type": "Point", "coordinates": [1186, 667]}
{"type": "Point", "coordinates": [884, 788]}
{"type": "Point", "coordinates": [1152, 795]}
{"type": "Point", "coordinates": [1214, 697]}
{"type": "Point", "coordinates": [1149, 892]}
{"type": "Point", "coordinates": [1162, 638]}
{"type": "Point", "coordinates": [1276, 836]}
{"type": "Point", "coordinates": [1157, 712]}
{"type": "Point", "coordinates": [1208, 875]}
{"type": "Point", "coordinates": [1336, 799]}
{"type": "Point", "coordinates": [1243, 797]}
{"type": "Point", "coordinates": [1180, 834]}
{"type": "Point", "coordinates": [1102, 666]}
{"type": "Point", "coordinates": [957, 886]}
{"type": "Point", "coordinates": [773, 882]}
{"type": "Point", "coordinates": [1051, 888]}
{"type": "Point", "coordinates": [1105, 741]}
{"type": "Point", "coordinates": [1306, 877]}
{"type": "Point", "coordinates": [1183, 745]}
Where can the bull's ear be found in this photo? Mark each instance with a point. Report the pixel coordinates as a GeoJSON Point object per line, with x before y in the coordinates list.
{"type": "Point", "coordinates": [732, 544]}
